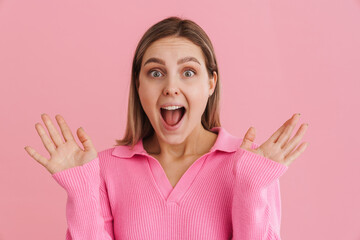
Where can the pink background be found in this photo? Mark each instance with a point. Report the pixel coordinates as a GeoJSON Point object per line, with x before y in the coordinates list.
{"type": "Point", "coordinates": [275, 58]}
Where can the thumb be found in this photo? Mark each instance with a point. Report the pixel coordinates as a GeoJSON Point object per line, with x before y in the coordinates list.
{"type": "Point", "coordinates": [248, 139]}
{"type": "Point", "coordinates": [85, 139]}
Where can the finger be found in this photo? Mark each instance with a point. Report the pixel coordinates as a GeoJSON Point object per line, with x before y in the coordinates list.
{"type": "Point", "coordinates": [285, 135]}
{"type": "Point", "coordinates": [293, 155]}
{"type": "Point", "coordinates": [276, 134]}
{"type": "Point", "coordinates": [49, 145]}
{"type": "Point", "coordinates": [40, 159]}
{"type": "Point", "coordinates": [54, 134]}
{"type": "Point", "coordinates": [66, 132]}
{"type": "Point", "coordinates": [248, 138]}
{"type": "Point", "coordinates": [290, 146]}
{"type": "Point", "coordinates": [85, 140]}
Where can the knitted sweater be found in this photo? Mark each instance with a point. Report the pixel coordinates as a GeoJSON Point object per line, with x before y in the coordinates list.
{"type": "Point", "coordinates": [228, 193]}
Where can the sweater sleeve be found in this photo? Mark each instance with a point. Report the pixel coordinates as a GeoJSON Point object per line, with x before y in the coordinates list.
{"type": "Point", "coordinates": [256, 209]}
{"type": "Point", "coordinates": [88, 212]}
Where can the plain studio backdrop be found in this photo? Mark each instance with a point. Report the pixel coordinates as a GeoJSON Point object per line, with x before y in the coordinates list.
{"type": "Point", "coordinates": [275, 58]}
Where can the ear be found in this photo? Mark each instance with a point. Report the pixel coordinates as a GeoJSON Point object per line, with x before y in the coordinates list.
{"type": "Point", "coordinates": [212, 83]}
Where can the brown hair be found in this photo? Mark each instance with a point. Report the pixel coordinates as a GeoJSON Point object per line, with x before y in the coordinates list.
{"type": "Point", "coordinates": [138, 125]}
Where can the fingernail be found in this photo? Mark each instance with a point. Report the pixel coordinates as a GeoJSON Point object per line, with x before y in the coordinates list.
{"type": "Point", "coordinates": [299, 114]}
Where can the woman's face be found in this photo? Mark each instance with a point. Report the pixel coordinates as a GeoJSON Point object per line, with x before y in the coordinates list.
{"type": "Point", "coordinates": [166, 80]}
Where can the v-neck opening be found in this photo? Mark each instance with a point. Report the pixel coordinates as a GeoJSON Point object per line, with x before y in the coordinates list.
{"type": "Point", "coordinates": [168, 192]}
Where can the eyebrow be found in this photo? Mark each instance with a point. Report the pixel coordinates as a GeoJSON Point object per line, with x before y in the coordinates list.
{"type": "Point", "coordinates": [183, 60]}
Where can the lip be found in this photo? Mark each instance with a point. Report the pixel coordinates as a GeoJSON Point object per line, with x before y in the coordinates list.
{"type": "Point", "coordinates": [172, 128]}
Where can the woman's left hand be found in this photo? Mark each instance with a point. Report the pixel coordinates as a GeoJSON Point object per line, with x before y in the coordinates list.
{"type": "Point", "coordinates": [277, 147]}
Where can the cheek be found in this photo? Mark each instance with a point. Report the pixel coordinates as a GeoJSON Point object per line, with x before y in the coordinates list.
{"type": "Point", "coordinates": [148, 98]}
{"type": "Point", "coordinates": [198, 101]}
{"type": "Point", "coordinates": [200, 92]}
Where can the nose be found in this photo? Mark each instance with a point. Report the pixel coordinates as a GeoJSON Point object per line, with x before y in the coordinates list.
{"type": "Point", "coordinates": [171, 91]}
{"type": "Point", "coordinates": [171, 85]}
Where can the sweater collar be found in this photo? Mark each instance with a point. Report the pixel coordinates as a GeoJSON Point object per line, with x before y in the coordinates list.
{"type": "Point", "coordinates": [224, 142]}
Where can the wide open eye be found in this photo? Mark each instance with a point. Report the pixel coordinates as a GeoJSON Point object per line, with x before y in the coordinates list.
{"type": "Point", "coordinates": [190, 74]}
{"type": "Point", "coordinates": [156, 75]}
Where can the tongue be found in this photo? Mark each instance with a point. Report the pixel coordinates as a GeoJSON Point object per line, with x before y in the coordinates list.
{"type": "Point", "coordinates": [172, 117]}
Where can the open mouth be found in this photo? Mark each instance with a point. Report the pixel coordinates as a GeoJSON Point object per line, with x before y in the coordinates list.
{"type": "Point", "coordinates": [172, 117]}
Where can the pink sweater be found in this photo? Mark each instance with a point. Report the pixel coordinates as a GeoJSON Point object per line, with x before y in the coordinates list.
{"type": "Point", "coordinates": [228, 193]}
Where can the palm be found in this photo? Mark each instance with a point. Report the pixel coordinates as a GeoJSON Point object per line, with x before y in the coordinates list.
{"type": "Point", "coordinates": [64, 154]}
{"type": "Point", "coordinates": [277, 147]}
{"type": "Point", "coordinates": [68, 155]}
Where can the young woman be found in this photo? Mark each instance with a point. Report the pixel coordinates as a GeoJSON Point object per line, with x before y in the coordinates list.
{"type": "Point", "coordinates": [176, 174]}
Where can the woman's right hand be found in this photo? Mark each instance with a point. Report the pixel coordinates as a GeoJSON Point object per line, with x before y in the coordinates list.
{"type": "Point", "coordinates": [66, 154]}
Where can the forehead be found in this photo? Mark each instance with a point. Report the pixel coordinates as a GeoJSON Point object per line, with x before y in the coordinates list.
{"type": "Point", "coordinates": [173, 48]}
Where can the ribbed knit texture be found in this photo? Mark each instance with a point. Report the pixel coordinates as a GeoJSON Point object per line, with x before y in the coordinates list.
{"type": "Point", "coordinates": [228, 193]}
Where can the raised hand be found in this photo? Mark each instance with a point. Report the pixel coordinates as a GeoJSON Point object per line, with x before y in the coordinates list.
{"type": "Point", "coordinates": [66, 154]}
{"type": "Point", "coordinates": [277, 147]}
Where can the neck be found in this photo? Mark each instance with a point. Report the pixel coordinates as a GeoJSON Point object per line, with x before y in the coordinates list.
{"type": "Point", "coordinates": [198, 142]}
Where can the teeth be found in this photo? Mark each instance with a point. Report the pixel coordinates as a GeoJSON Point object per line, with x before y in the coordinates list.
{"type": "Point", "coordinates": [171, 107]}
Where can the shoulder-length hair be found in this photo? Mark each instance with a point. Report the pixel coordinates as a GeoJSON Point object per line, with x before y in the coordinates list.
{"type": "Point", "coordinates": [138, 125]}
